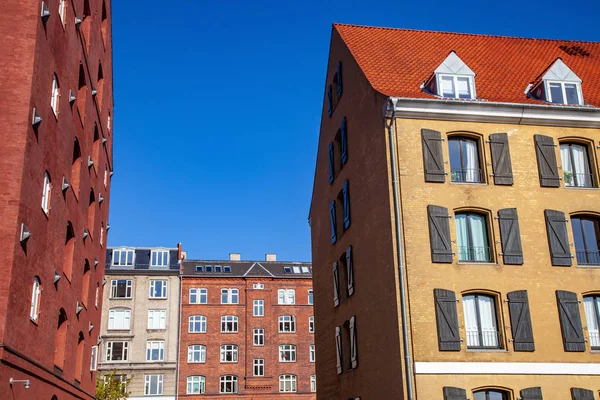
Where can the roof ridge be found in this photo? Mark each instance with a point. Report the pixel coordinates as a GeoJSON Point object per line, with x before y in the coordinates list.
{"type": "Point", "coordinates": [336, 24]}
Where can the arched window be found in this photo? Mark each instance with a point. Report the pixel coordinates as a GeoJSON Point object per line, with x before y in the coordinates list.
{"type": "Point", "coordinates": [91, 212]}
{"type": "Point", "coordinates": [576, 165]}
{"type": "Point", "coordinates": [472, 237]}
{"type": "Point", "coordinates": [85, 283]}
{"type": "Point", "coordinates": [287, 383]}
{"type": "Point", "coordinates": [490, 395]}
{"type": "Point", "coordinates": [586, 232]}
{"type": "Point", "coordinates": [592, 316]}
{"type": "Point", "coordinates": [195, 384]}
{"type": "Point", "coordinates": [197, 324]}
{"type": "Point", "coordinates": [79, 356]}
{"type": "Point", "coordinates": [196, 353]}
{"type": "Point", "coordinates": [81, 93]}
{"type": "Point", "coordinates": [46, 193]}
{"type": "Point", "coordinates": [60, 339]}
{"type": "Point", "coordinates": [229, 353]}
{"type": "Point", "coordinates": [54, 101]}
{"type": "Point", "coordinates": [119, 319]}
{"type": "Point", "coordinates": [35, 299]}
{"type": "Point", "coordinates": [287, 324]}
{"type": "Point", "coordinates": [229, 324]}
{"type": "Point", "coordinates": [99, 86]}
{"type": "Point", "coordinates": [69, 251]}
{"type": "Point", "coordinates": [76, 168]}
{"type": "Point", "coordinates": [465, 160]}
{"type": "Point", "coordinates": [481, 322]}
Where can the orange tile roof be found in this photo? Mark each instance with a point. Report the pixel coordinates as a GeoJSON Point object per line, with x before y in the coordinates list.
{"type": "Point", "coordinates": [397, 61]}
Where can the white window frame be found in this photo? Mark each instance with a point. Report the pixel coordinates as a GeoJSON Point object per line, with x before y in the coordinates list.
{"type": "Point", "coordinates": [226, 320]}
{"type": "Point", "coordinates": [127, 252]}
{"type": "Point", "coordinates": [163, 289]}
{"type": "Point", "coordinates": [258, 335]}
{"type": "Point", "coordinates": [311, 298]}
{"type": "Point", "coordinates": [46, 193]}
{"type": "Point", "coordinates": [97, 299]}
{"type": "Point", "coordinates": [259, 308]}
{"type": "Point", "coordinates": [287, 321]}
{"type": "Point", "coordinates": [199, 294]}
{"type": "Point", "coordinates": [312, 353]}
{"type": "Point", "coordinates": [564, 92]}
{"type": "Point", "coordinates": [35, 300]}
{"type": "Point", "coordinates": [94, 359]}
{"type": "Point", "coordinates": [102, 234]}
{"type": "Point", "coordinates": [288, 383]}
{"type": "Point", "coordinates": [105, 176]}
{"type": "Point", "coordinates": [226, 380]}
{"type": "Point", "coordinates": [108, 355]}
{"type": "Point", "coordinates": [199, 350]}
{"type": "Point", "coordinates": [157, 319]}
{"type": "Point", "coordinates": [196, 380]}
{"type": "Point", "coordinates": [258, 286]}
{"type": "Point", "coordinates": [311, 324]}
{"type": "Point", "coordinates": [228, 295]}
{"type": "Point", "coordinates": [159, 258]}
{"type": "Point", "coordinates": [54, 101]}
{"type": "Point", "coordinates": [192, 321]}
{"type": "Point", "coordinates": [258, 363]}
{"type": "Point", "coordinates": [455, 78]}
{"type": "Point", "coordinates": [229, 348]}
{"type": "Point", "coordinates": [283, 348]}
{"type": "Point", "coordinates": [114, 283]}
{"type": "Point", "coordinates": [62, 7]}
{"type": "Point", "coordinates": [126, 319]}
{"type": "Point", "coordinates": [313, 383]}
{"type": "Point", "coordinates": [151, 346]}
{"type": "Point", "coordinates": [148, 384]}
{"type": "Point", "coordinates": [286, 296]}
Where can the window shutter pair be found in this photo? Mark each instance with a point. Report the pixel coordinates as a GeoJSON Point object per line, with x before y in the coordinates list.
{"type": "Point", "coordinates": [453, 393]}
{"type": "Point", "coordinates": [350, 271]}
{"type": "Point", "coordinates": [346, 196]}
{"type": "Point", "coordinates": [336, 284]}
{"type": "Point", "coordinates": [570, 321]}
{"type": "Point", "coordinates": [331, 163]}
{"type": "Point", "coordinates": [338, 348]}
{"type": "Point", "coordinates": [447, 320]}
{"type": "Point", "coordinates": [439, 234]}
{"type": "Point", "coordinates": [582, 394]}
{"type": "Point", "coordinates": [332, 219]}
{"type": "Point", "coordinates": [546, 160]}
{"type": "Point", "coordinates": [520, 321]}
{"type": "Point", "coordinates": [344, 136]}
{"type": "Point", "coordinates": [329, 100]}
{"type": "Point", "coordinates": [510, 236]}
{"type": "Point", "coordinates": [353, 349]}
{"type": "Point", "coordinates": [556, 227]}
{"type": "Point", "coordinates": [501, 164]}
{"type": "Point", "coordinates": [339, 80]}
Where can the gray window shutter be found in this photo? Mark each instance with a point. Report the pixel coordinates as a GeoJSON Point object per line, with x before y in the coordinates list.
{"type": "Point", "coordinates": [570, 321]}
{"type": "Point", "coordinates": [353, 349]}
{"type": "Point", "coordinates": [340, 88]}
{"type": "Point", "coordinates": [439, 234]}
{"type": "Point", "coordinates": [331, 163]}
{"type": "Point", "coordinates": [452, 393]}
{"type": "Point", "coordinates": [329, 100]}
{"type": "Point", "coordinates": [520, 321]}
{"type": "Point", "coordinates": [447, 320]}
{"type": "Point", "coordinates": [546, 159]}
{"type": "Point", "coordinates": [350, 270]}
{"type": "Point", "coordinates": [336, 284]}
{"type": "Point", "coordinates": [556, 226]}
{"type": "Point", "coordinates": [333, 221]}
{"type": "Point", "coordinates": [344, 134]}
{"type": "Point", "coordinates": [433, 160]}
{"type": "Point", "coordinates": [338, 348]}
{"type": "Point", "coordinates": [534, 393]}
{"type": "Point", "coordinates": [501, 164]}
{"type": "Point", "coordinates": [582, 394]}
{"type": "Point", "coordinates": [346, 196]}
{"type": "Point", "coordinates": [510, 236]}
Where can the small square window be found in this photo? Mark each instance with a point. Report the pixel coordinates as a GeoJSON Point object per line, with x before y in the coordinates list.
{"type": "Point", "coordinates": [217, 268]}
{"type": "Point", "coordinates": [199, 268]}
{"type": "Point", "coordinates": [208, 268]}
{"type": "Point", "coordinates": [227, 268]}
{"type": "Point", "coordinates": [287, 270]}
{"type": "Point", "coordinates": [296, 270]}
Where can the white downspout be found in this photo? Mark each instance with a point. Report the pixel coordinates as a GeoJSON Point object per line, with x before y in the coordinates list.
{"type": "Point", "coordinates": [401, 268]}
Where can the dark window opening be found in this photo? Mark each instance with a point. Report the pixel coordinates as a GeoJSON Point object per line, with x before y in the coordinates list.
{"type": "Point", "coordinates": [92, 212]}
{"type": "Point", "coordinates": [490, 395]}
{"type": "Point", "coordinates": [99, 87]}
{"type": "Point", "coordinates": [586, 232]}
{"type": "Point", "coordinates": [81, 94]}
{"type": "Point", "coordinates": [465, 160]}
{"type": "Point", "coordinates": [85, 285]}
{"type": "Point", "coordinates": [60, 339]}
{"type": "Point", "coordinates": [68, 252]}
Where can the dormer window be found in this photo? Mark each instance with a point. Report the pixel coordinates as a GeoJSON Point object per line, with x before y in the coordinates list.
{"type": "Point", "coordinates": [452, 79]}
{"type": "Point", "coordinates": [563, 93]}
{"type": "Point", "coordinates": [559, 85]}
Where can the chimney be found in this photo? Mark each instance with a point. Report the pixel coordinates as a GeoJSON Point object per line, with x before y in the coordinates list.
{"type": "Point", "coordinates": [180, 255]}
{"type": "Point", "coordinates": [270, 257]}
{"type": "Point", "coordinates": [235, 256]}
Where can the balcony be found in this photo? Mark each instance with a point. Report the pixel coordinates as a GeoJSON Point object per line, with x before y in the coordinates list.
{"type": "Point", "coordinates": [588, 257]}
{"type": "Point", "coordinates": [475, 254]}
{"type": "Point", "coordinates": [484, 339]}
{"type": "Point", "coordinates": [579, 180]}
{"type": "Point", "coordinates": [466, 175]}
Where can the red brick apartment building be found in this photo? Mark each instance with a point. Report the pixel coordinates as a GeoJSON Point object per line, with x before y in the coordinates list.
{"type": "Point", "coordinates": [56, 161]}
{"type": "Point", "coordinates": [247, 330]}
{"type": "Point", "coordinates": [455, 218]}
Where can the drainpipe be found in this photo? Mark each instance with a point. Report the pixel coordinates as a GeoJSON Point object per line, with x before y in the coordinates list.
{"type": "Point", "coordinates": [401, 268]}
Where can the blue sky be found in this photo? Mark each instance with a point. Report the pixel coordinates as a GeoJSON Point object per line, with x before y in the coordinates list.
{"type": "Point", "coordinates": [217, 109]}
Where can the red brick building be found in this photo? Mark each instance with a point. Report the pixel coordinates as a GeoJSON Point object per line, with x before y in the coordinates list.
{"type": "Point", "coordinates": [56, 163]}
{"type": "Point", "coordinates": [247, 330]}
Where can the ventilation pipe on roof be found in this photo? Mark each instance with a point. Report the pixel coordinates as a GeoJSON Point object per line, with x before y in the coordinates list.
{"type": "Point", "coordinates": [399, 244]}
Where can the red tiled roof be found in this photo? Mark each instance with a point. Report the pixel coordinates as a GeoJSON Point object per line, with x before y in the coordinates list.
{"type": "Point", "coordinates": [397, 61]}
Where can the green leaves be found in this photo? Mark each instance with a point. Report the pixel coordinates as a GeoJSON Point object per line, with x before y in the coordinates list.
{"type": "Point", "coordinates": [112, 386]}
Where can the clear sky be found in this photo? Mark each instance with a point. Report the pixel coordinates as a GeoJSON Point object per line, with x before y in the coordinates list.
{"type": "Point", "coordinates": [217, 109]}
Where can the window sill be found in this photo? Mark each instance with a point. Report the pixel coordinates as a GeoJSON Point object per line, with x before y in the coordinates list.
{"type": "Point", "coordinates": [470, 183]}
{"type": "Point", "coordinates": [228, 333]}
{"type": "Point", "coordinates": [588, 266]}
{"type": "Point", "coordinates": [487, 351]}
{"type": "Point", "coordinates": [580, 188]}
{"type": "Point", "coordinates": [156, 329]}
{"type": "Point", "coordinates": [120, 298]}
{"type": "Point", "coordinates": [157, 298]}
{"type": "Point", "coordinates": [478, 263]}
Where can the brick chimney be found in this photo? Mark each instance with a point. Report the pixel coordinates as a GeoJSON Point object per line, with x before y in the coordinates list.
{"type": "Point", "coordinates": [270, 257]}
{"type": "Point", "coordinates": [235, 256]}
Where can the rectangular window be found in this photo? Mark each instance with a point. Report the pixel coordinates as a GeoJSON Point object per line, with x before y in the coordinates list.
{"type": "Point", "coordinates": [586, 232]}
{"type": "Point", "coordinates": [259, 367]}
{"type": "Point", "coordinates": [286, 296]}
{"type": "Point", "coordinates": [310, 297]}
{"type": "Point", "coordinates": [287, 353]}
{"type": "Point", "coordinates": [198, 296]}
{"type": "Point", "coordinates": [472, 238]}
{"type": "Point", "coordinates": [287, 383]}
{"type": "Point", "coordinates": [228, 384]}
{"type": "Point", "coordinates": [158, 289]}
{"type": "Point", "coordinates": [258, 286]}
{"type": "Point", "coordinates": [157, 319]}
{"type": "Point", "coordinates": [229, 353]}
{"type": "Point", "coordinates": [592, 316]}
{"type": "Point", "coordinates": [576, 165]}
{"type": "Point", "coordinates": [195, 384]}
{"type": "Point", "coordinates": [229, 296]}
{"type": "Point", "coordinates": [159, 258]}
{"type": "Point", "coordinates": [259, 337]}
{"type": "Point", "coordinates": [120, 288]}
{"type": "Point", "coordinates": [312, 353]}
{"type": "Point", "coordinates": [117, 351]}
{"type": "Point", "coordinates": [153, 384]}
{"type": "Point", "coordinates": [313, 383]}
{"type": "Point", "coordinates": [481, 324]}
{"type": "Point", "coordinates": [564, 93]}
{"type": "Point", "coordinates": [454, 86]}
{"type": "Point", "coordinates": [119, 319]}
{"type": "Point", "coordinates": [259, 308]}
{"type": "Point", "coordinates": [311, 324]}
{"type": "Point", "coordinates": [123, 257]}
{"type": "Point", "coordinates": [155, 350]}
{"type": "Point", "coordinates": [94, 359]}
{"type": "Point", "coordinates": [229, 324]}
{"type": "Point", "coordinates": [287, 324]}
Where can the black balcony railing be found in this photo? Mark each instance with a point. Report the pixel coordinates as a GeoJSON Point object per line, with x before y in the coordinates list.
{"type": "Point", "coordinates": [469, 175]}
{"type": "Point", "coordinates": [483, 339]}
{"type": "Point", "coordinates": [474, 253]}
{"type": "Point", "coordinates": [573, 179]}
{"type": "Point", "coordinates": [587, 257]}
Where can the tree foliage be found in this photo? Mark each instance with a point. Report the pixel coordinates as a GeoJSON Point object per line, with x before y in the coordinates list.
{"type": "Point", "coordinates": [112, 386]}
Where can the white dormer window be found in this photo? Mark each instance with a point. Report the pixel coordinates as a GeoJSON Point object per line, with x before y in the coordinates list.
{"type": "Point", "coordinates": [123, 257]}
{"type": "Point", "coordinates": [452, 79]}
{"type": "Point", "coordinates": [159, 258]}
{"type": "Point", "coordinates": [559, 85]}
{"type": "Point", "coordinates": [563, 93]}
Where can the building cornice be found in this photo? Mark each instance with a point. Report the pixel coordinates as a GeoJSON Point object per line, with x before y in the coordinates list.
{"type": "Point", "coordinates": [494, 112]}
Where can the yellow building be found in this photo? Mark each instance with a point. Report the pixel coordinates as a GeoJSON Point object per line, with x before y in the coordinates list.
{"type": "Point", "coordinates": [467, 263]}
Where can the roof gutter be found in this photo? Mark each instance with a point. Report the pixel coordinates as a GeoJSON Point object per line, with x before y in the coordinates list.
{"type": "Point", "coordinates": [399, 251]}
